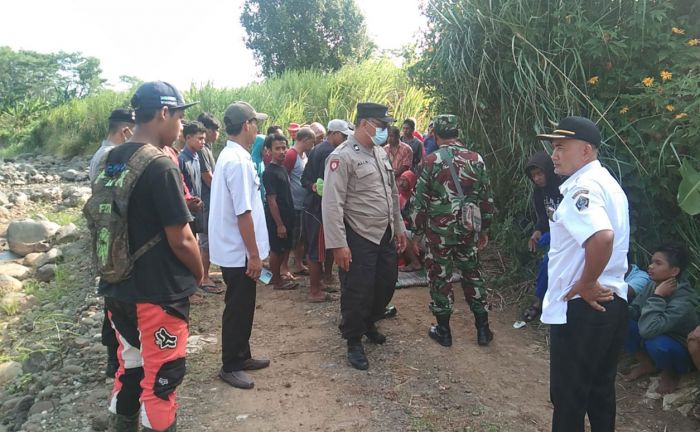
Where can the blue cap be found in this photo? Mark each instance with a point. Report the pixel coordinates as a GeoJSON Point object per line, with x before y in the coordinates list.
{"type": "Point", "coordinates": [158, 94]}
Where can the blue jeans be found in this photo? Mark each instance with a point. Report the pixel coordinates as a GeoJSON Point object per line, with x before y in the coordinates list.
{"type": "Point", "coordinates": [542, 276]}
{"type": "Point", "coordinates": [665, 352]}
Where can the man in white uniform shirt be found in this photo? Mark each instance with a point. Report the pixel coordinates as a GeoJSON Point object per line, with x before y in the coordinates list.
{"type": "Point", "coordinates": [586, 297]}
{"type": "Point", "coordinates": [238, 241]}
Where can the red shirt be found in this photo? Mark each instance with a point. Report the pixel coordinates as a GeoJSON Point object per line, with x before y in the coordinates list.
{"type": "Point", "coordinates": [173, 156]}
{"type": "Point", "coordinates": [400, 157]}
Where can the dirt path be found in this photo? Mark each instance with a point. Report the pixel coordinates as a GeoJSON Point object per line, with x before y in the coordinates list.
{"type": "Point", "coordinates": [412, 383]}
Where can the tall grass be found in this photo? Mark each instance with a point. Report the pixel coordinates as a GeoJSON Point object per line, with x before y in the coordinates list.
{"type": "Point", "coordinates": [511, 68]}
{"type": "Point", "coordinates": [295, 96]}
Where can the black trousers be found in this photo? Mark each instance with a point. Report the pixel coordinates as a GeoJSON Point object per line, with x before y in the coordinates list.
{"type": "Point", "coordinates": [368, 286]}
{"type": "Point", "coordinates": [583, 365]}
{"type": "Point", "coordinates": [237, 319]}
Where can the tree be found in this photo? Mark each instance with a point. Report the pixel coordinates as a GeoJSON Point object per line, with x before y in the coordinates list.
{"type": "Point", "coordinates": [52, 78]}
{"type": "Point", "coordinates": [305, 34]}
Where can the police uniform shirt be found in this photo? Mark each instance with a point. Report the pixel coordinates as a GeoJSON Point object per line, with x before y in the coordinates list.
{"type": "Point", "coordinates": [359, 188]}
{"type": "Point", "coordinates": [593, 201]}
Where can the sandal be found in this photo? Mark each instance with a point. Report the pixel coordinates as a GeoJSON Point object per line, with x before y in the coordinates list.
{"type": "Point", "coordinates": [324, 298]}
{"type": "Point", "coordinates": [531, 313]}
{"type": "Point", "coordinates": [288, 277]}
{"type": "Point", "coordinates": [286, 286]}
{"type": "Point", "coordinates": [212, 289]}
{"type": "Point", "coordinates": [302, 272]}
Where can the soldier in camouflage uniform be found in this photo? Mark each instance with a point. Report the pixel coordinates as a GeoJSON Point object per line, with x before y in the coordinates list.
{"type": "Point", "coordinates": [453, 241]}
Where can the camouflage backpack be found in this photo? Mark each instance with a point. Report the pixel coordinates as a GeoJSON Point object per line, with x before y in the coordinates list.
{"type": "Point", "coordinates": [470, 213]}
{"type": "Point", "coordinates": [107, 213]}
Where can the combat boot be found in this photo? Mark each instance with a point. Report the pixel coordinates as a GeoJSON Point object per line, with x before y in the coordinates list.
{"type": "Point", "coordinates": [124, 423]}
{"type": "Point", "coordinates": [484, 335]}
{"type": "Point", "coordinates": [356, 354]}
{"type": "Point", "coordinates": [441, 332]}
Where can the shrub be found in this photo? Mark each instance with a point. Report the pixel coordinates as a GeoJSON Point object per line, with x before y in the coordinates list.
{"type": "Point", "coordinates": [511, 68]}
{"type": "Point", "coordinates": [296, 96]}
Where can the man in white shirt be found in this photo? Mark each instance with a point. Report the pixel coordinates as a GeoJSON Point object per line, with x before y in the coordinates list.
{"type": "Point", "coordinates": [586, 297]}
{"type": "Point", "coordinates": [238, 241]}
{"type": "Point", "coordinates": [121, 124]}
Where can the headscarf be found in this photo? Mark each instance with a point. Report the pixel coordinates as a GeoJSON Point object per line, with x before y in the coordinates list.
{"type": "Point", "coordinates": [405, 194]}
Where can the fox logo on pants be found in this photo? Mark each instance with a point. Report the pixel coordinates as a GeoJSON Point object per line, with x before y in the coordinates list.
{"type": "Point", "coordinates": [165, 340]}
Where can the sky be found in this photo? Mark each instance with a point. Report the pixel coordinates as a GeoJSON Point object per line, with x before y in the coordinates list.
{"type": "Point", "coordinates": [209, 28]}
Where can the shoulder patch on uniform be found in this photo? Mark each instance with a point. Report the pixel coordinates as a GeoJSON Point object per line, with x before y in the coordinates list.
{"type": "Point", "coordinates": [334, 164]}
{"type": "Point", "coordinates": [582, 203]}
{"type": "Point", "coordinates": [579, 192]}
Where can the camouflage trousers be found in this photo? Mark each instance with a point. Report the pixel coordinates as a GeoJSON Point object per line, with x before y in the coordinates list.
{"type": "Point", "coordinates": [442, 261]}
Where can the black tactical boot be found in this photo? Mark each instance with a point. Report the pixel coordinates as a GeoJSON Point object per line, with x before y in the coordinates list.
{"type": "Point", "coordinates": [484, 335]}
{"type": "Point", "coordinates": [124, 423]}
{"type": "Point", "coordinates": [441, 331]}
{"type": "Point", "coordinates": [374, 336]}
{"type": "Point", "coordinates": [356, 354]}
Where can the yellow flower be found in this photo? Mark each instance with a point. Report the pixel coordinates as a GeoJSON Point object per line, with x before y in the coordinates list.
{"type": "Point", "coordinates": [677, 30]}
{"type": "Point", "coordinates": [666, 75]}
{"type": "Point", "coordinates": [624, 109]}
{"type": "Point", "coordinates": [669, 108]}
{"type": "Point", "coordinates": [681, 115]}
{"type": "Point", "coordinates": [648, 81]}
{"type": "Point", "coordinates": [694, 42]}
{"type": "Point", "coordinates": [594, 80]}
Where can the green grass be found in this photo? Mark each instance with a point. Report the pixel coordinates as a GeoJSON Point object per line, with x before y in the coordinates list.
{"type": "Point", "coordinates": [295, 96]}
{"type": "Point", "coordinates": [63, 217]}
{"type": "Point", "coordinates": [10, 307]}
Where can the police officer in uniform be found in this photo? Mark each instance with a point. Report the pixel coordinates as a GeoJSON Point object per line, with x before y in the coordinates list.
{"type": "Point", "coordinates": [363, 227]}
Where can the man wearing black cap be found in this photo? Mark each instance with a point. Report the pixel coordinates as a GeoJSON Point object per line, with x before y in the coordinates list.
{"type": "Point", "coordinates": [585, 303]}
{"type": "Point", "coordinates": [121, 122]}
{"type": "Point", "coordinates": [238, 241]}
{"type": "Point", "coordinates": [362, 224]}
{"type": "Point", "coordinates": [149, 310]}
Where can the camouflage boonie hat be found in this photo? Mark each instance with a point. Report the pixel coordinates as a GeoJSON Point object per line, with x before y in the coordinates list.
{"type": "Point", "coordinates": [445, 123]}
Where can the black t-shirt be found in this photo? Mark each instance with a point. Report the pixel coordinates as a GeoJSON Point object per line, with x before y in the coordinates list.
{"type": "Point", "coordinates": [276, 182]}
{"type": "Point", "coordinates": [157, 201]}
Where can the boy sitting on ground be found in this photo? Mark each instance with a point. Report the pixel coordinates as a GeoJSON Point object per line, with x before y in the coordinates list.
{"type": "Point", "coordinates": [661, 317]}
{"type": "Point", "coordinates": [279, 209]}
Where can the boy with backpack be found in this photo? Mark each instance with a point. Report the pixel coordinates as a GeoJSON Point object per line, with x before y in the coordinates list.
{"type": "Point", "coordinates": [148, 261]}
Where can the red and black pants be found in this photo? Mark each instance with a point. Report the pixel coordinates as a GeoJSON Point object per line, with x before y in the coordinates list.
{"type": "Point", "coordinates": [152, 341]}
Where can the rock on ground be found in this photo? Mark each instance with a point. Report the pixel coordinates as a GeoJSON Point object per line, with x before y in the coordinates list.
{"type": "Point", "coordinates": [46, 272]}
{"type": "Point", "coordinates": [9, 371]}
{"type": "Point", "coordinates": [66, 234]}
{"type": "Point", "coordinates": [15, 270]}
{"type": "Point", "coordinates": [27, 236]}
{"type": "Point", "coordinates": [9, 284]}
